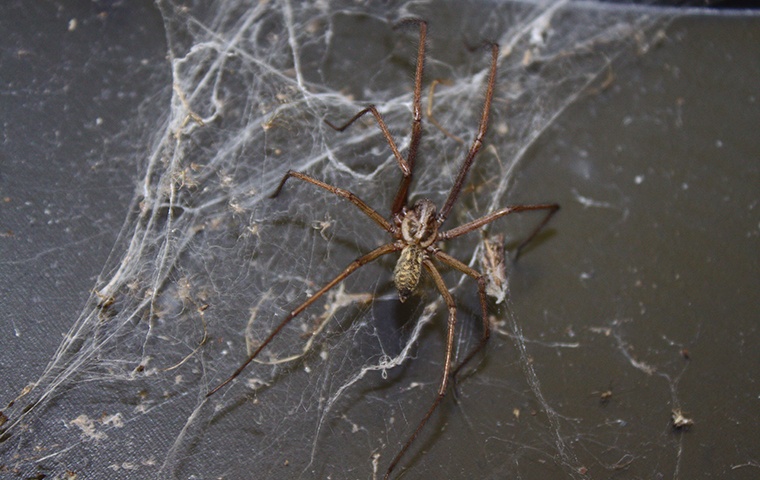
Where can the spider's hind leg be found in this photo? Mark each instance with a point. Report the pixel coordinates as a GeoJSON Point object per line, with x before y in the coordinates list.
{"type": "Point", "coordinates": [450, 336]}
{"type": "Point", "coordinates": [456, 264]}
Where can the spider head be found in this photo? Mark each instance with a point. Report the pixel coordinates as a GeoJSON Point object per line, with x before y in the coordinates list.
{"type": "Point", "coordinates": [419, 224]}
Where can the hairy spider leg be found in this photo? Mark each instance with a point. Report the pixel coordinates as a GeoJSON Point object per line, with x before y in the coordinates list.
{"type": "Point", "coordinates": [429, 110]}
{"type": "Point", "coordinates": [406, 165]}
{"type": "Point", "coordinates": [448, 374]}
{"type": "Point", "coordinates": [450, 333]}
{"type": "Point", "coordinates": [462, 267]}
{"type": "Point", "coordinates": [352, 267]}
{"type": "Point", "coordinates": [402, 163]}
{"type": "Point", "coordinates": [486, 219]}
{"type": "Point", "coordinates": [477, 143]}
{"type": "Point", "coordinates": [341, 192]}
{"type": "Point", "coordinates": [454, 263]}
{"type": "Point", "coordinates": [403, 192]}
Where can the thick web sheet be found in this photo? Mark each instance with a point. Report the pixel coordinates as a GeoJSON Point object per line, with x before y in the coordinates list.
{"type": "Point", "coordinates": [207, 264]}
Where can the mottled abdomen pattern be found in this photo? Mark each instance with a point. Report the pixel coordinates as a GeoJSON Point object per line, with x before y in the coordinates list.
{"type": "Point", "coordinates": [408, 269]}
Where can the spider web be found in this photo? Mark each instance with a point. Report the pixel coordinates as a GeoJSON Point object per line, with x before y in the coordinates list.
{"type": "Point", "coordinates": [207, 264]}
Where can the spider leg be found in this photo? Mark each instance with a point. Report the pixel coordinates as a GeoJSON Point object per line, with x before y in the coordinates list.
{"type": "Point", "coordinates": [454, 263]}
{"type": "Point", "coordinates": [352, 267]}
{"type": "Point", "coordinates": [486, 219]}
{"type": "Point", "coordinates": [477, 143]}
{"type": "Point", "coordinates": [403, 190]}
{"type": "Point", "coordinates": [406, 169]}
{"type": "Point", "coordinates": [343, 193]}
{"type": "Point", "coordinates": [429, 110]}
{"type": "Point", "coordinates": [446, 366]}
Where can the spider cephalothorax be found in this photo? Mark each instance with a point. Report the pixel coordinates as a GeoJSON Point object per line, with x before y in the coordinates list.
{"type": "Point", "coordinates": [415, 232]}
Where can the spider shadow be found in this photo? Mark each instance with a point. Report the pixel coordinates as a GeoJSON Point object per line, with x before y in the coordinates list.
{"type": "Point", "coordinates": [394, 321]}
{"type": "Point", "coordinates": [542, 237]}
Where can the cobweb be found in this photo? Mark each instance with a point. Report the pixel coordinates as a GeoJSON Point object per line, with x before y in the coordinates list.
{"type": "Point", "coordinates": [207, 264]}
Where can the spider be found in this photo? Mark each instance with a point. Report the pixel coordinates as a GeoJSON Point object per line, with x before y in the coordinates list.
{"type": "Point", "coordinates": [415, 232]}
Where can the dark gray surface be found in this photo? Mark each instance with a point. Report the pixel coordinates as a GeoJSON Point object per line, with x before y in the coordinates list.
{"type": "Point", "coordinates": [74, 78]}
{"type": "Point", "coordinates": [654, 254]}
{"type": "Point", "coordinates": [70, 93]}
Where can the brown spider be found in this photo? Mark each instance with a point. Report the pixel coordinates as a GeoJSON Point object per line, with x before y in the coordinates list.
{"type": "Point", "coordinates": [415, 231]}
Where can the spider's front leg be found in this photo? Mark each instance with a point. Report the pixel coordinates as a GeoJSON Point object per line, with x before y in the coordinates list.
{"type": "Point", "coordinates": [341, 192]}
{"type": "Point", "coordinates": [402, 163]}
{"type": "Point", "coordinates": [405, 164]}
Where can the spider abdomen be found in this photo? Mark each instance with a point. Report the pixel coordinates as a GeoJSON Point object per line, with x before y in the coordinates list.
{"type": "Point", "coordinates": [408, 269]}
